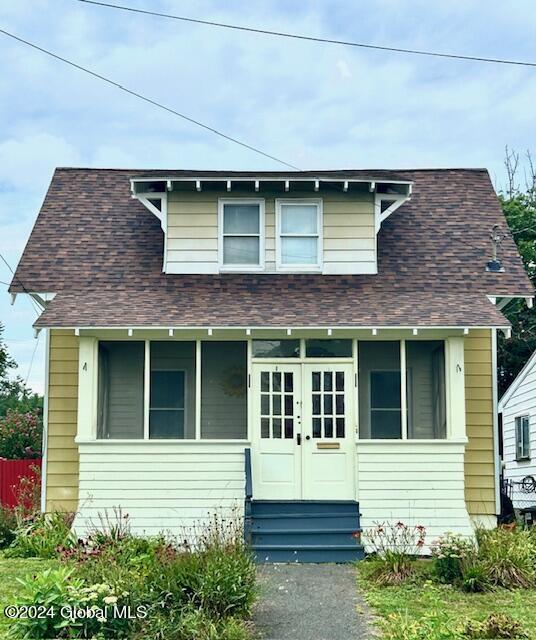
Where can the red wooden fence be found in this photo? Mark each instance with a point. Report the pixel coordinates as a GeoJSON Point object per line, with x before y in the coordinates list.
{"type": "Point", "coordinates": [11, 472]}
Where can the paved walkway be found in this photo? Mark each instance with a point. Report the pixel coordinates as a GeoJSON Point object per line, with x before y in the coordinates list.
{"type": "Point", "coordinates": [310, 602]}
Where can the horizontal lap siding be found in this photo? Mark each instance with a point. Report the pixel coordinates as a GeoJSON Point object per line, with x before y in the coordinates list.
{"type": "Point", "coordinates": [479, 456]}
{"type": "Point", "coordinates": [521, 403]}
{"type": "Point", "coordinates": [349, 236]}
{"type": "Point", "coordinates": [169, 487]}
{"type": "Point", "coordinates": [62, 452]}
{"type": "Point", "coordinates": [415, 483]}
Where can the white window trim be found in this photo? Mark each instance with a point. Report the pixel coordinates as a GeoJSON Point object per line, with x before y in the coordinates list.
{"type": "Point", "coordinates": [316, 268]}
{"type": "Point", "coordinates": [519, 437]}
{"type": "Point", "coordinates": [261, 235]}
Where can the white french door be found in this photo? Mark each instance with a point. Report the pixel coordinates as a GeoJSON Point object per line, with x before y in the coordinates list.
{"type": "Point", "coordinates": [303, 432]}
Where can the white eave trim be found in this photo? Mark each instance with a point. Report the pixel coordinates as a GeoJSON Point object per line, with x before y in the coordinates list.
{"type": "Point", "coordinates": [396, 200]}
{"type": "Point", "coordinates": [517, 382]}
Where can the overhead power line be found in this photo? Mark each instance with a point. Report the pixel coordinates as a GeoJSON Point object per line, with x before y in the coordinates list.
{"type": "Point", "coordinates": [148, 100]}
{"type": "Point", "coordinates": [15, 276]}
{"type": "Point", "coordinates": [298, 36]}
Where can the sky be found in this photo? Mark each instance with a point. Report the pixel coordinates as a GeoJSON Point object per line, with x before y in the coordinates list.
{"type": "Point", "coordinates": [315, 106]}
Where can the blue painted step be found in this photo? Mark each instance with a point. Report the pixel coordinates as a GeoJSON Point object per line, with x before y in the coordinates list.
{"type": "Point", "coordinates": [304, 531]}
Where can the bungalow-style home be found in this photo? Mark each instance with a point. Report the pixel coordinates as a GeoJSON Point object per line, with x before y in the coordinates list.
{"type": "Point", "coordinates": [315, 350]}
{"type": "Point", "coordinates": [518, 411]}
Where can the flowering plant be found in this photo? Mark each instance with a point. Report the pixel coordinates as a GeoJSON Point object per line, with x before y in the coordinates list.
{"type": "Point", "coordinates": [452, 553]}
{"type": "Point", "coordinates": [20, 435]}
{"type": "Point", "coordinates": [395, 547]}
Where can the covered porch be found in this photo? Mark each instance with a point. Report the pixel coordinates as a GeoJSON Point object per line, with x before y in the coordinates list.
{"type": "Point", "coordinates": [375, 416]}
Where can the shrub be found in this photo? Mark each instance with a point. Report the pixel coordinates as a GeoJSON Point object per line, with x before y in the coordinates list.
{"type": "Point", "coordinates": [63, 594]}
{"type": "Point", "coordinates": [395, 547]}
{"type": "Point", "coordinates": [474, 578]}
{"type": "Point", "coordinates": [20, 435]}
{"type": "Point", "coordinates": [452, 553]}
{"type": "Point", "coordinates": [42, 536]}
{"type": "Point", "coordinates": [508, 557]}
{"type": "Point", "coordinates": [8, 524]}
{"type": "Point", "coordinates": [496, 625]}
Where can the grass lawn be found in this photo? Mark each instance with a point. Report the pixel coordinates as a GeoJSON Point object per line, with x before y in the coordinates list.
{"type": "Point", "coordinates": [427, 610]}
{"type": "Point", "coordinates": [10, 570]}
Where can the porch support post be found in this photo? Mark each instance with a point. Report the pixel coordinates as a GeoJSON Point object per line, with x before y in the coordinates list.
{"type": "Point", "coordinates": [455, 389]}
{"type": "Point", "coordinates": [87, 388]}
{"type": "Point", "coordinates": [198, 389]}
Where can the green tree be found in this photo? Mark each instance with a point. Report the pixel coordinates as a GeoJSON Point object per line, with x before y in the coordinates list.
{"type": "Point", "coordinates": [14, 394]}
{"type": "Point", "coordinates": [519, 206]}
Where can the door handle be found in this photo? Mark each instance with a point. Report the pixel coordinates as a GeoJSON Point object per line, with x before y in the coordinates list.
{"type": "Point", "coordinates": [307, 437]}
{"type": "Point", "coordinates": [298, 438]}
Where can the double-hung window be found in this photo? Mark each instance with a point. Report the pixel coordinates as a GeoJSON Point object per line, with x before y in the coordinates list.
{"type": "Point", "coordinates": [522, 438]}
{"type": "Point", "coordinates": [299, 235]}
{"type": "Point", "coordinates": [241, 225]}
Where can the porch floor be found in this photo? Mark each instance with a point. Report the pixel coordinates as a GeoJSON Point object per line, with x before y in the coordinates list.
{"type": "Point", "coordinates": [311, 602]}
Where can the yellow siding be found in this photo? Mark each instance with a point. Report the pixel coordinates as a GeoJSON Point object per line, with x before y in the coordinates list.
{"type": "Point", "coordinates": [348, 230]}
{"type": "Point", "coordinates": [479, 456]}
{"type": "Point", "coordinates": [62, 452]}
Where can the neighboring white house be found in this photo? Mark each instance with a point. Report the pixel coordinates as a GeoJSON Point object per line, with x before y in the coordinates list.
{"type": "Point", "coordinates": [518, 409]}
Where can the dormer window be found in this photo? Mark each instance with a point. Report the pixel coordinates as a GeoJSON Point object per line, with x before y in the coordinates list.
{"type": "Point", "coordinates": [241, 225]}
{"type": "Point", "coordinates": [299, 235]}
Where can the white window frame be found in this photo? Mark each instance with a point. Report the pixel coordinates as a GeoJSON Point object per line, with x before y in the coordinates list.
{"type": "Point", "coordinates": [520, 440]}
{"type": "Point", "coordinates": [319, 235]}
{"type": "Point", "coordinates": [261, 235]}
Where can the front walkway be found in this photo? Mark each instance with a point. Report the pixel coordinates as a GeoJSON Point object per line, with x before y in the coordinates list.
{"type": "Point", "coordinates": [310, 602]}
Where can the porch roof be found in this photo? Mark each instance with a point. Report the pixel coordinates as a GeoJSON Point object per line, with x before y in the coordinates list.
{"type": "Point", "coordinates": [101, 252]}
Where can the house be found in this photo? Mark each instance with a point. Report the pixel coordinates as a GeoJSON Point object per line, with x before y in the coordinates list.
{"type": "Point", "coordinates": [518, 411]}
{"type": "Point", "coordinates": [314, 349]}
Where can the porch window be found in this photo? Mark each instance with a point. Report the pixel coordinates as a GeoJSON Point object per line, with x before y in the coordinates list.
{"type": "Point", "coordinates": [172, 391]}
{"type": "Point", "coordinates": [276, 349]}
{"type": "Point", "coordinates": [380, 403]}
{"type": "Point", "coordinates": [298, 234]}
{"type": "Point", "coordinates": [522, 438]}
{"type": "Point", "coordinates": [402, 390]}
{"type": "Point", "coordinates": [223, 390]}
{"type": "Point", "coordinates": [120, 390]}
{"type": "Point", "coordinates": [241, 234]}
{"type": "Point", "coordinates": [328, 348]}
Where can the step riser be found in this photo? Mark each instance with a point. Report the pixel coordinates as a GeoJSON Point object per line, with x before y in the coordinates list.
{"type": "Point", "coordinates": [299, 539]}
{"type": "Point", "coordinates": [298, 508]}
{"type": "Point", "coordinates": [308, 555]}
{"type": "Point", "coordinates": [311, 523]}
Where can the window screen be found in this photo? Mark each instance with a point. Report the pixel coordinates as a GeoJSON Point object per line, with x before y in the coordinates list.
{"type": "Point", "coordinates": [522, 438]}
{"type": "Point", "coordinates": [425, 385]}
{"type": "Point", "coordinates": [380, 414]}
{"type": "Point", "coordinates": [120, 390]}
{"type": "Point", "coordinates": [299, 234]}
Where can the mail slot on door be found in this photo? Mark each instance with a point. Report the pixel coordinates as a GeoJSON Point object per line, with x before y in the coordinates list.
{"type": "Point", "coordinates": [328, 445]}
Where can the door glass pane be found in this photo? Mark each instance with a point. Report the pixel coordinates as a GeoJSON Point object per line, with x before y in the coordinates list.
{"type": "Point", "coordinates": [316, 404]}
{"type": "Point", "coordinates": [316, 380]}
{"type": "Point", "coordinates": [317, 428]}
{"type": "Point", "coordinates": [240, 218]}
{"type": "Point", "coordinates": [289, 382]}
{"type": "Point", "coordinates": [339, 404]}
{"type": "Point", "coordinates": [299, 250]}
{"type": "Point", "coordinates": [276, 428]}
{"type": "Point", "coordinates": [265, 404]}
{"type": "Point", "coordinates": [339, 380]}
{"type": "Point", "coordinates": [289, 405]}
{"type": "Point", "coordinates": [299, 219]}
{"type": "Point", "coordinates": [328, 349]}
{"type": "Point", "coordinates": [328, 404]}
{"type": "Point", "coordinates": [276, 405]}
{"type": "Point", "coordinates": [340, 427]}
{"type": "Point", "coordinates": [328, 427]}
{"type": "Point", "coordinates": [328, 381]}
{"type": "Point", "coordinates": [276, 348]}
{"type": "Point", "coordinates": [265, 381]}
{"type": "Point", "coordinates": [240, 250]}
{"type": "Point", "coordinates": [289, 428]}
{"type": "Point", "coordinates": [276, 381]}
{"type": "Point", "coordinates": [425, 384]}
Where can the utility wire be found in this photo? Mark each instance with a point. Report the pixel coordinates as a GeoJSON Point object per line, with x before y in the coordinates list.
{"type": "Point", "coordinates": [32, 360]}
{"type": "Point", "coordinates": [146, 99]}
{"type": "Point", "coordinates": [297, 36]}
{"type": "Point", "coordinates": [30, 298]}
